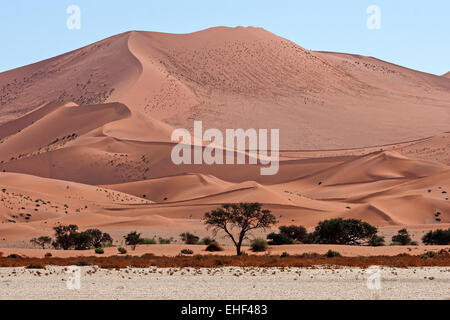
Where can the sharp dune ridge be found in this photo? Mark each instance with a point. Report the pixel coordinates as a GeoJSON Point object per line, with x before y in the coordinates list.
{"type": "Point", "coordinates": [88, 134]}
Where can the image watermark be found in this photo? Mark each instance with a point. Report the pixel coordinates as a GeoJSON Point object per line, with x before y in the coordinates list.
{"type": "Point", "coordinates": [235, 150]}
{"type": "Point", "coordinates": [374, 278]}
{"type": "Point", "coordinates": [374, 20]}
{"type": "Point", "coordinates": [74, 20]}
{"type": "Point", "coordinates": [73, 282]}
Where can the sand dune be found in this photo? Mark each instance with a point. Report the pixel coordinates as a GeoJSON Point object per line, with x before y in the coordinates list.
{"type": "Point", "coordinates": [86, 136]}
{"type": "Point", "coordinates": [241, 77]}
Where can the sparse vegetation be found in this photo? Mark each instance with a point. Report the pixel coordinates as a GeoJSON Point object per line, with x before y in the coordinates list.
{"type": "Point", "coordinates": [213, 247]}
{"type": "Point", "coordinates": [277, 239]}
{"type": "Point", "coordinates": [122, 250]}
{"type": "Point", "coordinates": [332, 254]}
{"type": "Point", "coordinates": [242, 217]}
{"type": "Point", "coordinates": [259, 245]}
{"type": "Point", "coordinates": [427, 255]}
{"type": "Point", "coordinates": [164, 241]}
{"type": "Point", "coordinates": [133, 239]}
{"type": "Point", "coordinates": [340, 231]}
{"type": "Point", "coordinates": [297, 233]}
{"type": "Point", "coordinates": [187, 251]}
{"type": "Point", "coordinates": [41, 241]}
{"type": "Point", "coordinates": [402, 238]}
{"type": "Point", "coordinates": [99, 251]}
{"type": "Point", "coordinates": [376, 241]}
{"type": "Point", "coordinates": [148, 241]}
{"type": "Point", "coordinates": [189, 238]}
{"type": "Point", "coordinates": [437, 237]}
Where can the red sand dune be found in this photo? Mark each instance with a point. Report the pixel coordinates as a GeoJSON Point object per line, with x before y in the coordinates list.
{"type": "Point", "coordinates": [87, 134]}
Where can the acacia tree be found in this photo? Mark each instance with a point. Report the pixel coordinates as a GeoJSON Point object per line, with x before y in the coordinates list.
{"type": "Point", "coordinates": [98, 238]}
{"type": "Point", "coordinates": [65, 236]}
{"type": "Point", "coordinates": [41, 241]}
{"type": "Point", "coordinates": [133, 239]}
{"type": "Point", "coordinates": [236, 220]}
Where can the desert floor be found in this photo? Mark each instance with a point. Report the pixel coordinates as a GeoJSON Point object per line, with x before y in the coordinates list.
{"type": "Point", "coordinates": [226, 283]}
{"type": "Point", "coordinates": [174, 250]}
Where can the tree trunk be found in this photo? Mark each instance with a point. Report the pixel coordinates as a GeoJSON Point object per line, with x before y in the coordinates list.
{"type": "Point", "coordinates": [238, 249]}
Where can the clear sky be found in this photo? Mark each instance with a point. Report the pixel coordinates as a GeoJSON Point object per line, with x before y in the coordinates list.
{"type": "Point", "coordinates": [413, 33]}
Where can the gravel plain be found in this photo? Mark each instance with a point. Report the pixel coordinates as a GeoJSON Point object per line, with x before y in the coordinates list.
{"type": "Point", "coordinates": [56, 283]}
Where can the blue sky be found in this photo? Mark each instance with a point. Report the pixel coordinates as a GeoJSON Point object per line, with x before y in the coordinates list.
{"type": "Point", "coordinates": [413, 33]}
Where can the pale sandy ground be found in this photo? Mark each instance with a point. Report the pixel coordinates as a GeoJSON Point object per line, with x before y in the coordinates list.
{"type": "Point", "coordinates": [173, 250]}
{"type": "Point", "coordinates": [226, 283]}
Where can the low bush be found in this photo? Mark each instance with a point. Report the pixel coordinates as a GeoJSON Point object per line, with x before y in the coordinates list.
{"type": "Point", "coordinates": [297, 233]}
{"type": "Point", "coordinates": [164, 241]}
{"type": "Point", "coordinates": [376, 241]}
{"type": "Point", "coordinates": [332, 254]}
{"type": "Point", "coordinates": [206, 241]}
{"type": "Point", "coordinates": [427, 255]}
{"type": "Point", "coordinates": [402, 237]}
{"type": "Point", "coordinates": [437, 237]}
{"type": "Point", "coordinates": [284, 255]}
{"type": "Point", "coordinates": [213, 247]}
{"type": "Point", "coordinates": [122, 250]}
{"type": "Point", "coordinates": [48, 255]}
{"type": "Point", "coordinates": [259, 245]}
{"type": "Point", "coordinates": [35, 266]}
{"type": "Point", "coordinates": [148, 241]}
{"type": "Point", "coordinates": [277, 239]}
{"type": "Point", "coordinates": [99, 251]}
{"type": "Point", "coordinates": [187, 251]}
{"type": "Point", "coordinates": [189, 238]}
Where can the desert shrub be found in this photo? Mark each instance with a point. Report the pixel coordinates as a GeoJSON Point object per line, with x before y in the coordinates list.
{"type": "Point", "coordinates": [164, 241]}
{"type": "Point", "coordinates": [148, 241]}
{"type": "Point", "coordinates": [437, 237]}
{"type": "Point", "coordinates": [122, 250]}
{"type": "Point", "coordinates": [48, 255]}
{"type": "Point", "coordinates": [82, 240]}
{"type": "Point", "coordinates": [189, 238]}
{"type": "Point", "coordinates": [259, 245]}
{"type": "Point", "coordinates": [427, 255]}
{"type": "Point", "coordinates": [340, 231]}
{"type": "Point", "coordinates": [206, 241]}
{"type": "Point", "coordinates": [133, 239]}
{"type": "Point", "coordinates": [297, 233]}
{"type": "Point", "coordinates": [277, 239]}
{"type": "Point", "coordinates": [284, 255]}
{"type": "Point", "coordinates": [213, 247]}
{"type": "Point", "coordinates": [376, 241]}
{"type": "Point", "coordinates": [332, 254]}
{"type": "Point", "coordinates": [14, 256]}
{"type": "Point", "coordinates": [41, 241]}
{"type": "Point", "coordinates": [402, 237]}
{"type": "Point", "coordinates": [187, 251]}
{"type": "Point", "coordinates": [99, 251]}
{"type": "Point", "coordinates": [35, 266]}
